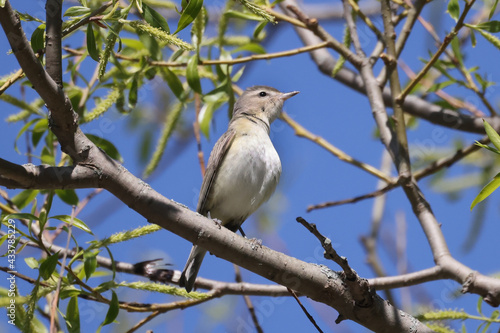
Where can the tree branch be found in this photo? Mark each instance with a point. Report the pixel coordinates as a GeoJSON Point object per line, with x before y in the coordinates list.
{"type": "Point", "coordinates": [308, 279]}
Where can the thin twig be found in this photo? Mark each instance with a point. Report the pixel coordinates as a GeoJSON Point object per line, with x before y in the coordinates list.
{"type": "Point", "coordinates": [144, 321]}
{"type": "Point", "coordinates": [370, 241]}
{"type": "Point", "coordinates": [447, 40]}
{"type": "Point", "coordinates": [304, 133]}
{"type": "Point", "coordinates": [196, 129]}
{"type": "Point", "coordinates": [11, 80]}
{"type": "Point", "coordinates": [359, 287]}
{"type": "Point", "coordinates": [248, 301]}
{"type": "Point", "coordinates": [434, 167]}
{"type": "Point", "coordinates": [311, 318]}
{"type": "Point", "coordinates": [55, 301]}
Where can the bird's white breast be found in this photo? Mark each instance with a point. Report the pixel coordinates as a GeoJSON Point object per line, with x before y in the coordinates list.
{"type": "Point", "coordinates": [247, 177]}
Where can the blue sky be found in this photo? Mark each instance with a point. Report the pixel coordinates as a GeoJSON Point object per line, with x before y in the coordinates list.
{"type": "Point", "coordinates": [310, 175]}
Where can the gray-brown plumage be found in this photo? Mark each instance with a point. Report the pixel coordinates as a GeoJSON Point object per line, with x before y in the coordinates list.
{"type": "Point", "coordinates": [243, 169]}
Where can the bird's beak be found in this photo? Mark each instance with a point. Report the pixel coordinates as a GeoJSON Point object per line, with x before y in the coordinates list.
{"type": "Point", "coordinates": [285, 96]}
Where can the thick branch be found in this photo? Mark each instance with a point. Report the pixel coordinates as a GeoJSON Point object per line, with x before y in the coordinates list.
{"type": "Point", "coordinates": [53, 37]}
{"type": "Point", "coordinates": [47, 177]}
{"type": "Point", "coordinates": [318, 283]}
{"type": "Point", "coordinates": [412, 104]}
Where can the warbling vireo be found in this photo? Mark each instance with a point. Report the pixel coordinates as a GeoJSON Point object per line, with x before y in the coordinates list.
{"type": "Point", "coordinates": [243, 169]}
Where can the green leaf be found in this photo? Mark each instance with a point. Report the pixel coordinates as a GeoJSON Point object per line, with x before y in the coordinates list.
{"type": "Point", "coordinates": [455, 46]}
{"type": "Point", "coordinates": [132, 95]}
{"type": "Point", "coordinates": [173, 82]}
{"type": "Point", "coordinates": [38, 38]}
{"type": "Point", "coordinates": [48, 266]}
{"type": "Point", "coordinates": [258, 29]}
{"type": "Point", "coordinates": [107, 146]}
{"type": "Point", "coordinates": [18, 216]}
{"type": "Point", "coordinates": [492, 134]}
{"type": "Point", "coordinates": [213, 100]}
{"type": "Point", "coordinates": [490, 38]}
{"type": "Point", "coordinates": [91, 43]}
{"type": "Point", "coordinates": [473, 38]}
{"type": "Point", "coordinates": [494, 150]}
{"type": "Point", "coordinates": [113, 310]}
{"type": "Point", "coordinates": [73, 316]}
{"type": "Point", "coordinates": [454, 9]}
{"type": "Point", "coordinates": [76, 222]}
{"type": "Point", "coordinates": [491, 26]}
{"type": "Point", "coordinates": [192, 75]}
{"type": "Point", "coordinates": [250, 47]}
{"type": "Point", "coordinates": [487, 190]}
{"type": "Point", "coordinates": [154, 18]}
{"type": "Point", "coordinates": [23, 199]}
{"type": "Point", "coordinates": [48, 156]}
{"type": "Point", "coordinates": [492, 11]}
{"type": "Point", "coordinates": [23, 129]}
{"type": "Point", "coordinates": [69, 292]}
{"type": "Point", "coordinates": [243, 16]}
{"type": "Point", "coordinates": [77, 11]}
{"type": "Point", "coordinates": [89, 263]}
{"type": "Point", "coordinates": [189, 14]}
{"type": "Point", "coordinates": [68, 196]}
{"type": "Point", "coordinates": [31, 262]}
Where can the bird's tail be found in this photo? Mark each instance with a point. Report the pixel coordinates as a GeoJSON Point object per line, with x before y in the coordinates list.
{"type": "Point", "coordinates": [192, 267]}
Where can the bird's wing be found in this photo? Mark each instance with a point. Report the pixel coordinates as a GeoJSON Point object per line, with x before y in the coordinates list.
{"type": "Point", "coordinates": [216, 157]}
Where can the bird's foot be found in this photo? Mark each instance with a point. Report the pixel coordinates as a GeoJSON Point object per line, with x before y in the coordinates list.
{"type": "Point", "coordinates": [255, 243]}
{"type": "Point", "coordinates": [217, 222]}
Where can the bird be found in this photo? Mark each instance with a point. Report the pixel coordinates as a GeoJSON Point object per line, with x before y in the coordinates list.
{"type": "Point", "coordinates": [243, 168]}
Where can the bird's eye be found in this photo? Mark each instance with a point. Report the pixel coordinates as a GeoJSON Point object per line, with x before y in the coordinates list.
{"type": "Point", "coordinates": [262, 94]}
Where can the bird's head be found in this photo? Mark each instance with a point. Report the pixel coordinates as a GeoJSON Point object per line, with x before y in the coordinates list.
{"type": "Point", "coordinates": [263, 102]}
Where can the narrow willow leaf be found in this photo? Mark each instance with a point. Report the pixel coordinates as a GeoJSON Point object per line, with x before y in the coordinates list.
{"type": "Point", "coordinates": [473, 37]}
{"type": "Point", "coordinates": [243, 16]}
{"type": "Point", "coordinates": [173, 82]}
{"type": "Point", "coordinates": [24, 198]}
{"type": "Point", "coordinates": [89, 263]}
{"type": "Point", "coordinates": [492, 134]}
{"type": "Point", "coordinates": [77, 11]}
{"type": "Point", "coordinates": [491, 26]}
{"type": "Point", "coordinates": [192, 75]}
{"type": "Point", "coordinates": [213, 100]}
{"type": "Point", "coordinates": [91, 43]}
{"type": "Point", "coordinates": [257, 33]}
{"type": "Point", "coordinates": [454, 9]}
{"type": "Point", "coordinates": [455, 46]}
{"type": "Point", "coordinates": [76, 222]}
{"type": "Point", "coordinates": [73, 315]}
{"type": "Point", "coordinates": [189, 13]}
{"type": "Point", "coordinates": [48, 266]}
{"type": "Point", "coordinates": [113, 310]}
{"type": "Point", "coordinates": [250, 47]}
{"type": "Point", "coordinates": [132, 95]}
{"type": "Point", "coordinates": [490, 38]}
{"type": "Point", "coordinates": [31, 262]}
{"type": "Point", "coordinates": [68, 196]}
{"type": "Point", "coordinates": [487, 190]}
{"type": "Point", "coordinates": [18, 216]}
{"type": "Point", "coordinates": [170, 122]}
{"type": "Point", "coordinates": [492, 11]}
{"type": "Point", "coordinates": [38, 38]}
{"type": "Point", "coordinates": [105, 145]}
{"type": "Point", "coordinates": [154, 18]}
